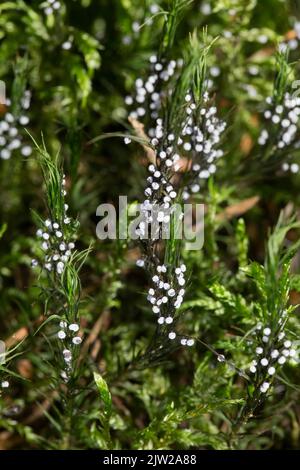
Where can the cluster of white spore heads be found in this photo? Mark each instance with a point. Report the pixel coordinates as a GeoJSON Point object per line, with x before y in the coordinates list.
{"type": "Point", "coordinates": [55, 243]}
{"type": "Point", "coordinates": [292, 43]}
{"type": "Point", "coordinates": [69, 336]}
{"type": "Point", "coordinates": [194, 139]}
{"type": "Point", "coordinates": [159, 189]}
{"type": "Point", "coordinates": [148, 98]}
{"type": "Point", "coordinates": [50, 7]}
{"type": "Point", "coordinates": [200, 130]}
{"type": "Point", "coordinates": [166, 296]}
{"type": "Point", "coordinates": [273, 349]}
{"type": "Point", "coordinates": [200, 139]}
{"type": "Point", "coordinates": [150, 92]}
{"type": "Point", "coordinates": [283, 131]}
{"type": "Point", "coordinates": [12, 130]}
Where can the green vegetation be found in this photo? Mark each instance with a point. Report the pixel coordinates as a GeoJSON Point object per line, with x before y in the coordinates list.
{"type": "Point", "coordinates": [147, 344]}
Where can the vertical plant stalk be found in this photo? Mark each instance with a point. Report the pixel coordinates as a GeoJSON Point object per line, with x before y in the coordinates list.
{"type": "Point", "coordinates": [59, 266]}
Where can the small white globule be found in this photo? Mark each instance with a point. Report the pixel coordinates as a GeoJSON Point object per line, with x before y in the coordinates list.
{"type": "Point", "coordinates": [264, 387]}
{"type": "Point", "coordinates": [76, 340]}
{"type": "Point", "coordinates": [60, 267]}
{"type": "Point", "coordinates": [74, 327]}
{"type": "Point", "coordinates": [271, 370]}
